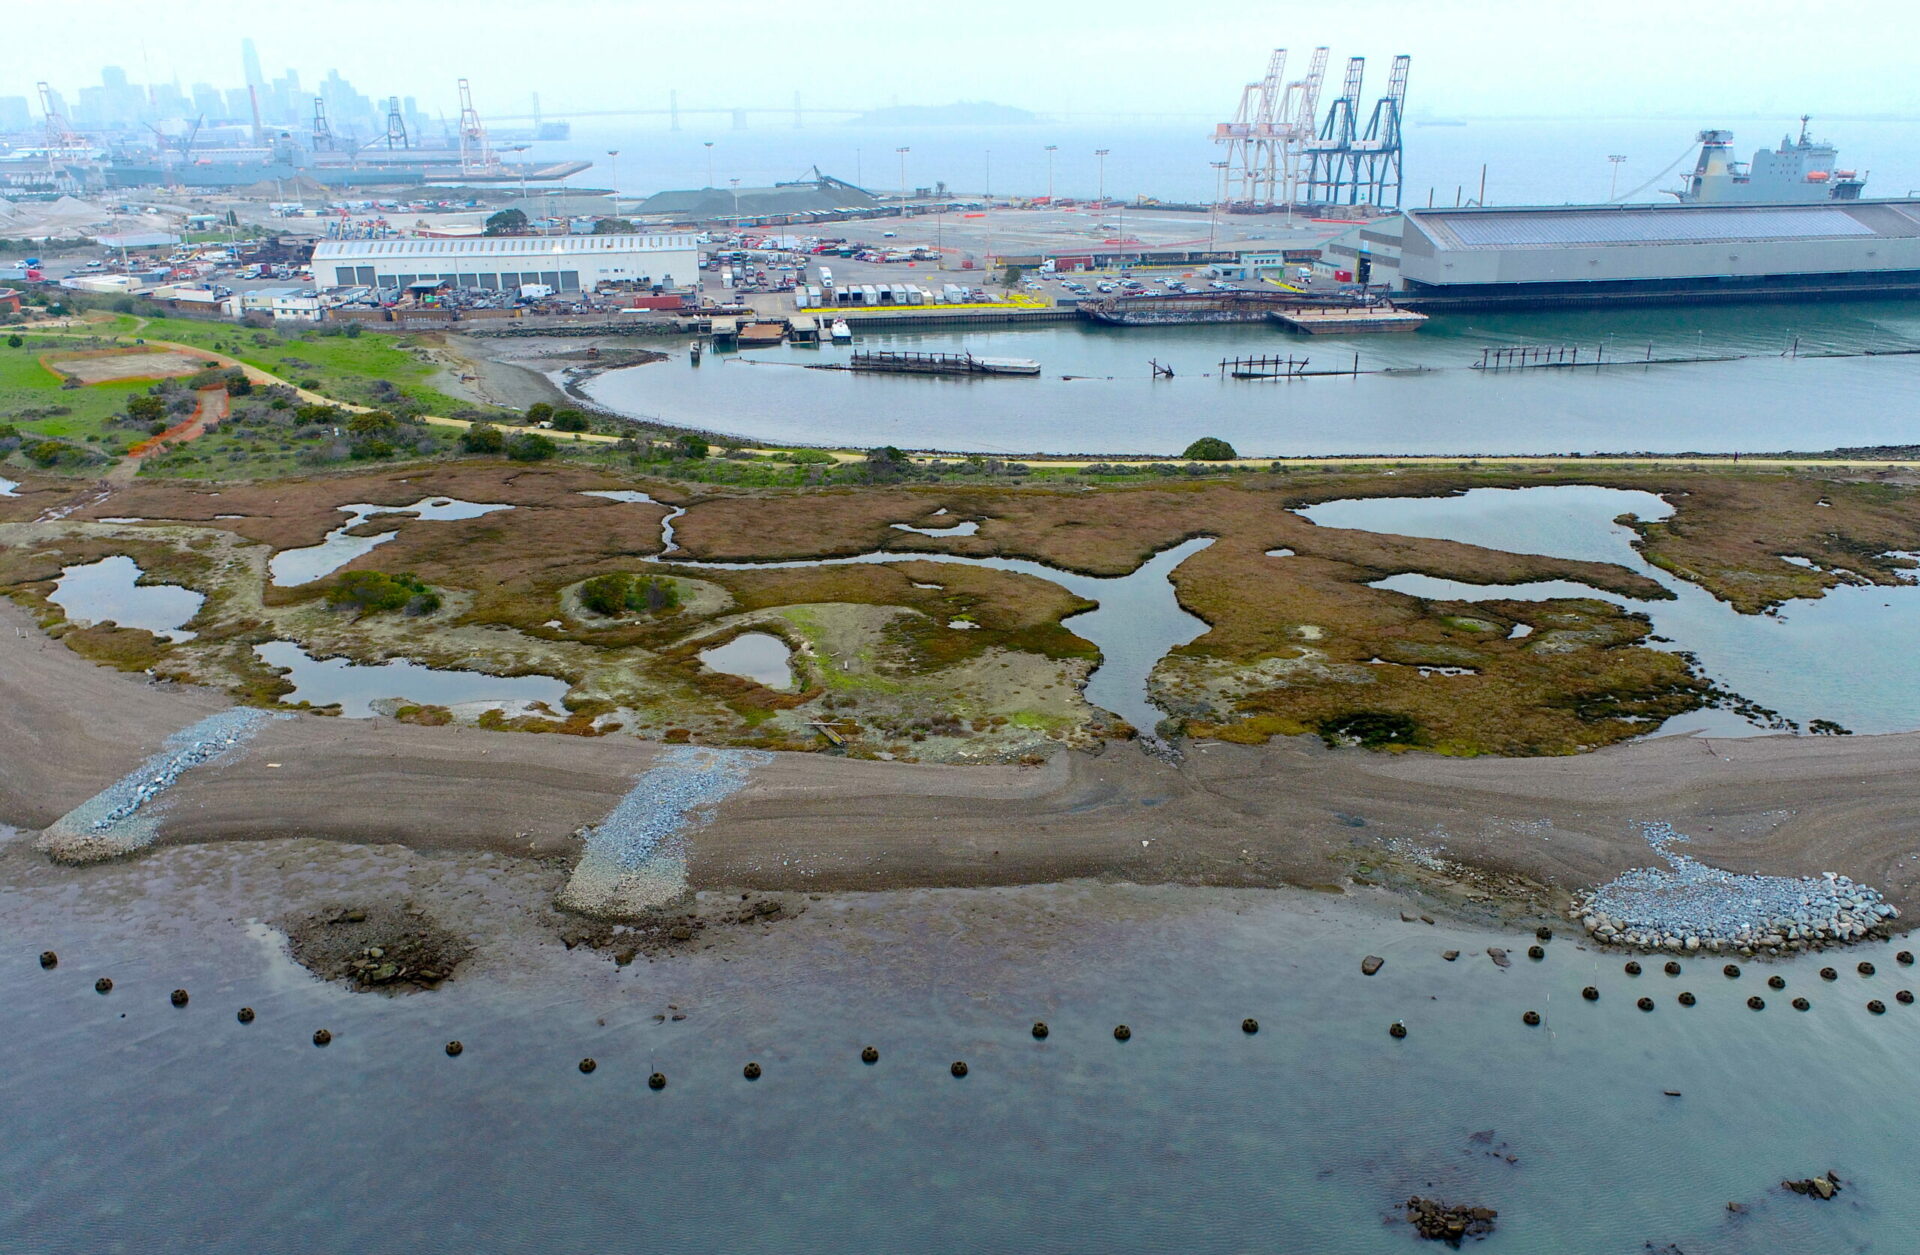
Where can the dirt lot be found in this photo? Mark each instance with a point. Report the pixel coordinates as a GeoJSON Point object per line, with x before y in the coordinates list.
{"type": "Point", "coordinates": [107, 366]}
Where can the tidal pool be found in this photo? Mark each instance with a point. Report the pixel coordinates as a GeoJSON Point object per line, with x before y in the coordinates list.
{"type": "Point", "coordinates": [1847, 656]}
{"type": "Point", "coordinates": [290, 567]}
{"type": "Point", "coordinates": [9, 487]}
{"type": "Point", "coordinates": [757, 656]}
{"type": "Point", "coordinates": [952, 529]}
{"type": "Point", "coordinates": [356, 686]}
{"type": "Point", "coordinates": [1138, 620]}
{"type": "Point", "coordinates": [109, 590]}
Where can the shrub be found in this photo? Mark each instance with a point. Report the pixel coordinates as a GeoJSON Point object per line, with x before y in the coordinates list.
{"type": "Point", "coordinates": [45, 452]}
{"type": "Point", "coordinates": [371, 592]}
{"type": "Point", "coordinates": [691, 447]}
{"type": "Point", "coordinates": [806, 457]}
{"type": "Point", "coordinates": [621, 593]}
{"type": "Point", "coordinates": [569, 420]}
{"type": "Point", "coordinates": [238, 385]}
{"type": "Point", "coordinates": [482, 438]}
{"type": "Point", "coordinates": [539, 412]}
{"type": "Point", "coordinates": [1210, 449]}
{"type": "Point", "coordinates": [372, 423]}
{"type": "Point", "coordinates": [1371, 728]}
{"type": "Point", "coordinates": [531, 447]}
{"type": "Point", "coordinates": [147, 409]}
{"type": "Point", "coordinates": [14, 342]}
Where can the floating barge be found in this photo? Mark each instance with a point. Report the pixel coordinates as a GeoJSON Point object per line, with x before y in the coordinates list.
{"type": "Point", "coordinates": [901, 363]}
{"type": "Point", "coordinates": [757, 335]}
{"type": "Point", "coordinates": [1207, 307]}
{"type": "Point", "coordinates": [1339, 320]}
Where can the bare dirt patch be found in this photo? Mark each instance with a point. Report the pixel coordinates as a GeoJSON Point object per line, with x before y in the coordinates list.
{"type": "Point", "coordinates": [111, 365]}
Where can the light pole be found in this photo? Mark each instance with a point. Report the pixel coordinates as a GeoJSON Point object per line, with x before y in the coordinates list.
{"type": "Point", "coordinates": [1613, 184]}
{"type": "Point", "coordinates": [1050, 151]}
{"type": "Point", "coordinates": [613, 176]}
{"type": "Point", "coordinates": [736, 203]}
{"type": "Point", "coordinates": [987, 191]}
{"type": "Point", "coordinates": [903, 180]}
{"type": "Point", "coordinates": [1101, 153]}
{"type": "Point", "coordinates": [709, 144]}
{"type": "Point", "coordinates": [1213, 210]}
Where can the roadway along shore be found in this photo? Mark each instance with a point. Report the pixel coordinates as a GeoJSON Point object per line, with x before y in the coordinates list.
{"type": "Point", "coordinates": [1291, 812]}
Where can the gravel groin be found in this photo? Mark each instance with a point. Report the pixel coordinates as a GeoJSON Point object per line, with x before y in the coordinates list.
{"type": "Point", "coordinates": [119, 819]}
{"type": "Point", "coordinates": [1689, 907]}
{"type": "Point", "coordinates": [635, 858]}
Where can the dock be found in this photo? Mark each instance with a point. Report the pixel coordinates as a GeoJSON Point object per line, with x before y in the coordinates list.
{"type": "Point", "coordinates": [1345, 320]}
{"type": "Point", "coordinates": [759, 335]}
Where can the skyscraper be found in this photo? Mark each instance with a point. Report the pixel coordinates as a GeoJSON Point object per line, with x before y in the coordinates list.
{"type": "Point", "coordinates": [250, 64]}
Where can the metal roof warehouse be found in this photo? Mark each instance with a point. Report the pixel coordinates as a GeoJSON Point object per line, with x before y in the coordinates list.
{"type": "Point", "coordinates": [565, 263]}
{"type": "Point", "coordinates": [1687, 252]}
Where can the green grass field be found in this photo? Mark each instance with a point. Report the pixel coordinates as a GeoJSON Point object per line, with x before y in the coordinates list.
{"type": "Point", "coordinates": [27, 386]}
{"type": "Point", "coordinates": [345, 366]}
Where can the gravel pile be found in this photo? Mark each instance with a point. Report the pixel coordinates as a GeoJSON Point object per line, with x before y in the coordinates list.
{"type": "Point", "coordinates": [110, 823]}
{"type": "Point", "coordinates": [634, 860]}
{"type": "Point", "coordinates": [1689, 906]}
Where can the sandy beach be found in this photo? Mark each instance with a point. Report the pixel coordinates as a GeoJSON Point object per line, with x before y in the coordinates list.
{"type": "Point", "coordinates": [1517, 832]}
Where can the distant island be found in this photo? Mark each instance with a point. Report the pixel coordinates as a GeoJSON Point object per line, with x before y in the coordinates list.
{"type": "Point", "coordinates": [962, 113]}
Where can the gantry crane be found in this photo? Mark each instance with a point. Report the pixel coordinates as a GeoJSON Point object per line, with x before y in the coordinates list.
{"type": "Point", "coordinates": [1266, 139]}
{"type": "Point", "coordinates": [476, 152]}
{"type": "Point", "coordinates": [396, 136]}
{"type": "Point", "coordinates": [1376, 164]}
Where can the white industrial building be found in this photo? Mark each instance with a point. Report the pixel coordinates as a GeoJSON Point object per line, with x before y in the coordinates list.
{"type": "Point", "coordinates": [565, 263]}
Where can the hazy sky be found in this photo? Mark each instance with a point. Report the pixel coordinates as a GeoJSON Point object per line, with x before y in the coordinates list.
{"type": "Point", "coordinates": [1615, 58]}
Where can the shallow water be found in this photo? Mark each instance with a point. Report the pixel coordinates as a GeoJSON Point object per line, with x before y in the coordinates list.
{"type": "Point", "coordinates": [356, 686]}
{"type": "Point", "coordinates": [756, 656]}
{"type": "Point", "coordinates": [1111, 404]}
{"type": "Point", "coordinates": [9, 487]}
{"type": "Point", "coordinates": [1847, 656]}
{"type": "Point", "coordinates": [146, 1127]}
{"type": "Point", "coordinates": [630, 497]}
{"type": "Point", "coordinates": [96, 592]}
{"type": "Point", "coordinates": [1137, 622]}
{"type": "Point", "coordinates": [967, 528]}
{"type": "Point", "coordinates": [302, 566]}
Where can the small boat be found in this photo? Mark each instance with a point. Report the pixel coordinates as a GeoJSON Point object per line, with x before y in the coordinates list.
{"type": "Point", "coordinates": [841, 333]}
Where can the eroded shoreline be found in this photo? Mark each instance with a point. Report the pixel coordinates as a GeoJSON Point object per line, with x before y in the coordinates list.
{"type": "Point", "coordinates": [1515, 836]}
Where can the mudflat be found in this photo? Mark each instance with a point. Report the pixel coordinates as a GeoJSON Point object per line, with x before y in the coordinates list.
{"type": "Point", "coordinates": [1290, 811]}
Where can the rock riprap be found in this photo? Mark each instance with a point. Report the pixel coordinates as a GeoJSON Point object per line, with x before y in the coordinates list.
{"type": "Point", "coordinates": [1442, 1222]}
{"type": "Point", "coordinates": [1688, 907]}
{"type": "Point", "coordinates": [120, 819]}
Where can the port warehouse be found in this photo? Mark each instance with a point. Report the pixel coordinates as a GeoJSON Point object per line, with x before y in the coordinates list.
{"type": "Point", "coordinates": [572, 263]}
{"type": "Point", "coordinates": [1607, 254]}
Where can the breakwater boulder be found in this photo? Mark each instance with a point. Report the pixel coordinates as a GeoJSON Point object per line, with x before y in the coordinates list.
{"type": "Point", "coordinates": [1443, 1222]}
{"type": "Point", "coordinates": [1689, 908]}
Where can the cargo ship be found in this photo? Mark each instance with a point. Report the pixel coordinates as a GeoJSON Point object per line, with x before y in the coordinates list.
{"type": "Point", "coordinates": [1802, 171]}
{"type": "Point", "coordinates": [284, 161]}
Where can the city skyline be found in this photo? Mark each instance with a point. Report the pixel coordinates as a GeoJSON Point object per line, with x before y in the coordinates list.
{"type": "Point", "coordinates": [1486, 59]}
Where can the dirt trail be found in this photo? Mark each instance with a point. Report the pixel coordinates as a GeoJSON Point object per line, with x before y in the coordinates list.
{"type": "Point", "coordinates": [213, 407]}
